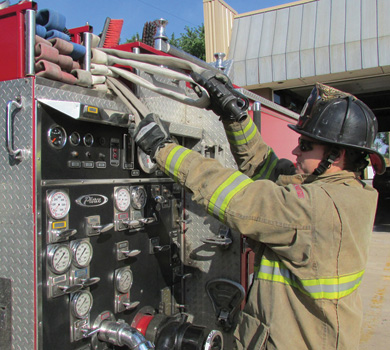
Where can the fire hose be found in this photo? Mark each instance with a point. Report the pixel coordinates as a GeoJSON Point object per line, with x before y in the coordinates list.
{"type": "Point", "coordinates": [231, 101]}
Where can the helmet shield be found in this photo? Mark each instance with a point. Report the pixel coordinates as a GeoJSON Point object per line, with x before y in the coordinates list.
{"type": "Point", "coordinates": [335, 117]}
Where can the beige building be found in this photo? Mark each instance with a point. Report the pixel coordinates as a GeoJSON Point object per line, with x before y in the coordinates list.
{"type": "Point", "coordinates": [280, 52]}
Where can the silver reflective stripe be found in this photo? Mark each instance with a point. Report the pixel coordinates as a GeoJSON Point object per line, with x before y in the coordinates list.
{"type": "Point", "coordinates": [243, 136]}
{"type": "Point", "coordinates": [318, 288]}
{"type": "Point", "coordinates": [174, 160]}
{"type": "Point", "coordinates": [222, 196]}
{"type": "Point", "coordinates": [269, 165]}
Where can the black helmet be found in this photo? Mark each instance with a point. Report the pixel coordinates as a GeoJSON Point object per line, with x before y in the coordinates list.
{"type": "Point", "coordinates": [335, 117]}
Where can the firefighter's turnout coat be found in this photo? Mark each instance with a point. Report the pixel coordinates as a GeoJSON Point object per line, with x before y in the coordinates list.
{"type": "Point", "coordinates": [311, 239]}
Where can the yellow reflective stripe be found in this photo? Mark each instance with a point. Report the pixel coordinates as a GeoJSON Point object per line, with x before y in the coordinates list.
{"type": "Point", "coordinates": [222, 196]}
{"type": "Point", "coordinates": [229, 197]}
{"type": "Point", "coordinates": [242, 137]}
{"type": "Point", "coordinates": [319, 288]}
{"type": "Point", "coordinates": [174, 160]}
{"type": "Point", "coordinates": [218, 191]}
{"type": "Point", "coordinates": [268, 166]}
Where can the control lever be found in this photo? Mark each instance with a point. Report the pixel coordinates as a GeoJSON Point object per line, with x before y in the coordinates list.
{"type": "Point", "coordinates": [161, 248]}
{"type": "Point", "coordinates": [131, 223]}
{"type": "Point", "coordinates": [86, 282]}
{"type": "Point", "coordinates": [93, 226]}
{"type": "Point", "coordinates": [226, 297]}
{"type": "Point", "coordinates": [89, 332]}
{"type": "Point", "coordinates": [102, 228]}
{"type": "Point", "coordinates": [218, 241]}
{"type": "Point", "coordinates": [224, 239]}
{"type": "Point", "coordinates": [136, 223]}
{"type": "Point", "coordinates": [71, 289]}
{"type": "Point", "coordinates": [64, 233]}
{"type": "Point", "coordinates": [131, 253]}
{"type": "Point", "coordinates": [155, 247]}
{"type": "Point", "coordinates": [132, 305]}
{"type": "Point", "coordinates": [148, 220]}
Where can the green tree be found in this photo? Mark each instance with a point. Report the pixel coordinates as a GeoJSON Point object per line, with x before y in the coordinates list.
{"type": "Point", "coordinates": [135, 37]}
{"type": "Point", "coordinates": [382, 143]}
{"type": "Point", "coordinates": [192, 41]}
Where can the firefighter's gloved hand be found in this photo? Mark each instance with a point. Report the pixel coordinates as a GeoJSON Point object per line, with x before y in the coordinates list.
{"type": "Point", "coordinates": [151, 135]}
{"type": "Point", "coordinates": [225, 101]}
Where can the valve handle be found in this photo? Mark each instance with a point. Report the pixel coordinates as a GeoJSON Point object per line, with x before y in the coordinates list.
{"type": "Point", "coordinates": [103, 228]}
{"type": "Point", "coordinates": [86, 282]}
{"type": "Point", "coordinates": [131, 305]}
{"type": "Point", "coordinates": [71, 289]}
{"type": "Point", "coordinates": [131, 253]}
{"type": "Point", "coordinates": [65, 233]}
{"type": "Point", "coordinates": [88, 332]}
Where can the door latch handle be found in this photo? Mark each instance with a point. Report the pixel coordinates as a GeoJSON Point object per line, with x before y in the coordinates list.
{"type": "Point", "coordinates": [20, 153]}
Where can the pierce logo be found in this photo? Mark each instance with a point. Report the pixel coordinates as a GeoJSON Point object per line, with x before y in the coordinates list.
{"type": "Point", "coordinates": [92, 200]}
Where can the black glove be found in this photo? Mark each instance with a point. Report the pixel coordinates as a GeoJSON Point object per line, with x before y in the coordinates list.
{"type": "Point", "coordinates": [225, 101]}
{"type": "Point", "coordinates": [151, 135]}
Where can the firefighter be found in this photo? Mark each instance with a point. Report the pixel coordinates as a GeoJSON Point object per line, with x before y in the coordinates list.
{"type": "Point", "coordinates": [310, 231]}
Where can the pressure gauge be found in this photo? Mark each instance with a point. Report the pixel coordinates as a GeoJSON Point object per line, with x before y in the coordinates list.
{"type": "Point", "coordinates": [56, 136]}
{"type": "Point", "coordinates": [81, 304]}
{"type": "Point", "coordinates": [58, 203]}
{"type": "Point", "coordinates": [123, 280]}
{"type": "Point", "coordinates": [82, 253]}
{"type": "Point", "coordinates": [138, 197]}
{"type": "Point", "coordinates": [145, 162]}
{"type": "Point", "coordinates": [59, 258]}
{"type": "Point", "coordinates": [74, 138]}
{"type": "Point", "coordinates": [122, 198]}
{"type": "Point", "coordinates": [88, 140]}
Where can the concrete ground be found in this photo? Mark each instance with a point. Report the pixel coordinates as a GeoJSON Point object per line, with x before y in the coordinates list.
{"type": "Point", "coordinates": [375, 288]}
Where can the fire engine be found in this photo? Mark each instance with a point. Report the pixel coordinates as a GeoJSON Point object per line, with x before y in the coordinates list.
{"type": "Point", "coordinates": [100, 249]}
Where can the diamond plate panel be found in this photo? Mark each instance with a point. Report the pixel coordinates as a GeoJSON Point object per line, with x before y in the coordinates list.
{"type": "Point", "coordinates": [17, 220]}
{"type": "Point", "coordinates": [54, 90]}
{"type": "Point", "coordinates": [17, 233]}
{"type": "Point", "coordinates": [204, 261]}
{"type": "Point", "coordinates": [17, 226]}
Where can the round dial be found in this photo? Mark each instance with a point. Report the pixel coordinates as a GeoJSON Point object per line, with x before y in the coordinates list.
{"type": "Point", "coordinates": [59, 204]}
{"type": "Point", "coordinates": [59, 258]}
{"type": "Point", "coordinates": [138, 197]}
{"type": "Point", "coordinates": [74, 138]}
{"type": "Point", "coordinates": [124, 280]}
{"type": "Point", "coordinates": [82, 253]}
{"type": "Point", "coordinates": [145, 162]}
{"type": "Point", "coordinates": [88, 140]}
{"type": "Point", "coordinates": [122, 199]}
{"type": "Point", "coordinates": [81, 304]}
{"type": "Point", "coordinates": [56, 136]}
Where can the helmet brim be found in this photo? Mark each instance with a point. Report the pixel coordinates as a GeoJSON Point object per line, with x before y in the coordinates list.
{"type": "Point", "coordinates": [377, 160]}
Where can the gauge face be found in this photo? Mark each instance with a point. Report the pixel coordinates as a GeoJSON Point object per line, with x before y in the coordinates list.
{"type": "Point", "coordinates": [145, 162]}
{"type": "Point", "coordinates": [74, 138]}
{"type": "Point", "coordinates": [59, 204]}
{"type": "Point", "coordinates": [138, 197]}
{"type": "Point", "coordinates": [124, 280]}
{"type": "Point", "coordinates": [81, 304]}
{"type": "Point", "coordinates": [60, 258]}
{"type": "Point", "coordinates": [56, 137]}
{"type": "Point", "coordinates": [122, 199]}
{"type": "Point", "coordinates": [82, 253]}
{"type": "Point", "coordinates": [88, 140]}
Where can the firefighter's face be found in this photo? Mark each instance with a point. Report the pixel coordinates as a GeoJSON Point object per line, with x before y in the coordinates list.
{"type": "Point", "coordinates": [309, 155]}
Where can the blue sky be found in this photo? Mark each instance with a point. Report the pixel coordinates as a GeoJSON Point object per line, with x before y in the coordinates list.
{"type": "Point", "coordinates": [136, 13]}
